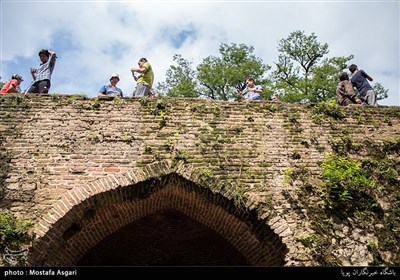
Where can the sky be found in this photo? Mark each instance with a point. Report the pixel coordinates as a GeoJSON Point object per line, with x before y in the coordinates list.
{"type": "Point", "coordinates": [94, 39]}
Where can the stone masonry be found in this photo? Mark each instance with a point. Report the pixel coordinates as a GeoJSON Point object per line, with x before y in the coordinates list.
{"type": "Point", "coordinates": [82, 169]}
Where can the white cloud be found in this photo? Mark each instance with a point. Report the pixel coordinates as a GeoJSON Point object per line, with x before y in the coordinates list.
{"type": "Point", "coordinates": [95, 39]}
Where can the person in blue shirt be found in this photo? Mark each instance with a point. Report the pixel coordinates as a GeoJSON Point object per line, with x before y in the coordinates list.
{"type": "Point", "coordinates": [111, 89]}
{"type": "Point", "coordinates": [360, 79]}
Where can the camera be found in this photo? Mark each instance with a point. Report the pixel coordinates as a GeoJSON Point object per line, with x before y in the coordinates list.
{"type": "Point", "coordinates": [240, 86]}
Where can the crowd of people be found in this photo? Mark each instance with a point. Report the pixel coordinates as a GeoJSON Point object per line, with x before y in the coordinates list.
{"type": "Point", "coordinates": [144, 81]}
{"type": "Point", "coordinates": [41, 78]}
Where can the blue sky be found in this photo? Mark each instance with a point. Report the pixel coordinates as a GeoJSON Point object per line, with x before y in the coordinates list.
{"type": "Point", "coordinates": [93, 39]}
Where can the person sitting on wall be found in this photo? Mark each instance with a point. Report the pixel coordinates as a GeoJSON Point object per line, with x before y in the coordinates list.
{"type": "Point", "coordinates": [345, 91]}
{"type": "Point", "coordinates": [111, 89]}
{"type": "Point", "coordinates": [252, 91]}
{"type": "Point", "coordinates": [12, 86]}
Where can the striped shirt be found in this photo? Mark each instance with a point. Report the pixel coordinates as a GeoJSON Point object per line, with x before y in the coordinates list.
{"type": "Point", "coordinates": [46, 69]}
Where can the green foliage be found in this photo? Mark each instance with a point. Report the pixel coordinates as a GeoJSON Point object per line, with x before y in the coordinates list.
{"type": "Point", "coordinates": [392, 146]}
{"type": "Point", "coordinates": [347, 187]}
{"type": "Point", "coordinates": [219, 75]}
{"type": "Point", "coordinates": [148, 149]}
{"type": "Point", "coordinates": [381, 92]}
{"type": "Point", "coordinates": [294, 174]}
{"type": "Point", "coordinates": [238, 196]}
{"type": "Point", "coordinates": [374, 249]}
{"type": "Point", "coordinates": [325, 78]}
{"type": "Point", "coordinates": [239, 129]}
{"type": "Point", "coordinates": [118, 101]}
{"type": "Point", "coordinates": [265, 164]}
{"type": "Point", "coordinates": [302, 72]}
{"type": "Point", "coordinates": [180, 79]}
{"type": "Point", "coordinates": [180, 155]}
{"type": "Point", "coordinates": [158, 109]}
{"type": "Point", "coordinates": [17, 100]}
{"type": "Point", "coordinates": [206, 175]}
{"type": "Point", "coordinates": [331, 109]}
{"type": "Point", "coordinates": [343, 145]}
{"type": "Point", "coordinates": [310, 240]}
{"type": "Point", "coordinates": [216, 76]}
{"type": "Point", "coordinates": [385, 171]}
{"type": "Point", "coordinates": [55, 97]}
{"type": "Point", "coordinates": [78, 96]}
{"type": "Point", "coordinates": [96, 104]}
{"type": "Point", "coordinates": [298, 57]}
{"type": "Point", "coordinates": [14, 232]}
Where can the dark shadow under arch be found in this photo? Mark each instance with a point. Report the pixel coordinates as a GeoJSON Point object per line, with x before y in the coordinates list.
{"type": "Point", "coordinates": [165, 238]}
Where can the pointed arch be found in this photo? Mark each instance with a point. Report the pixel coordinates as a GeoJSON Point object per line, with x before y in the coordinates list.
{"type": "Point", "coordinates": [86, 215]}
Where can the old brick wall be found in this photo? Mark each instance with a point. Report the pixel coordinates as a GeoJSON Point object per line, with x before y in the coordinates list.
{"type": "Point", "coordinates": [74, 166]}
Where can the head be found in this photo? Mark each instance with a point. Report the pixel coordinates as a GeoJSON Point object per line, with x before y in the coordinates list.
{"type": "Point", "coordinates": [17, 77]}
{"type": "Point", "coordinates": [353, 68]}
{"type": "Point", "coordinates": [114, 79]}
{"type": "Point", "coordinates": [343, 76]}
{"type": "Point", "coordinates": [142, 61]}
{"type": "Point", "coordinates": [250, 81]}
{"type": "Point", "coordinates": [44, 55]}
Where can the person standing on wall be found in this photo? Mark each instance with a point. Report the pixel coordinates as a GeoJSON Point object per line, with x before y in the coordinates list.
{"type": "Point", "coordinates": [145, 78]}
{"type": "Point", "coordinates": [360, 79]}
{"type": "Point", "coordinates": [42, 75]}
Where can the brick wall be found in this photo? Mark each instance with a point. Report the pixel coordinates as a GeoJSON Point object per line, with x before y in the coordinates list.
{"type": "Point", "coordinates": [83, 169]}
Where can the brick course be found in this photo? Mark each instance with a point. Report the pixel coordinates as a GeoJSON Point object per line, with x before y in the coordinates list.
{"type": "Point", "coordinates": [219, 163]}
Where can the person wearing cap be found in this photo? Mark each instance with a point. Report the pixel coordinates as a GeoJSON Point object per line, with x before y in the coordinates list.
{"type": "Point", "coordinates": [111, 89]}
{"type": "Point", "coordinates": [42, 75]}
{"type": "Point", "coordinates": [145, 78]}
{"type": "Point", "coordinates": [12, 86]}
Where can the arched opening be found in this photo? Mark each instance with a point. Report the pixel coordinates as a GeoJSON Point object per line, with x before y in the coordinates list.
{"type": "Point", "coordinates": [169, 208]}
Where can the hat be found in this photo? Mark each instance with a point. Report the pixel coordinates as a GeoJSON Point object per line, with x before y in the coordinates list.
{"type": "Point", "coordinates": [17, 77]}
{"type": "Point", "coordinates": [113, 75]}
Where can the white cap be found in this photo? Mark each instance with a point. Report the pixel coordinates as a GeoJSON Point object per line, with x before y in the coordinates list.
{"type": "Point", "coordinates": [113, 75]}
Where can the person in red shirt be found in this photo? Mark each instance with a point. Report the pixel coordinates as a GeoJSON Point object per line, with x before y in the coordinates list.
{"type": "Point", "coordinates": [12, 86]}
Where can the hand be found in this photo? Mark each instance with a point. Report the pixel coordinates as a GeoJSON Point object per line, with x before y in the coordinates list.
{"type": "Point", "coordinates": [33, 70]}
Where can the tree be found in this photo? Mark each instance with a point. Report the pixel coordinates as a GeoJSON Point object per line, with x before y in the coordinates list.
{"type": "Point", "coordinates": [302, 73]}
{"type": "Point", "coordinates": [218, 76]}
{"type": "Point", "coordinates": [215, 77]}
{"type": "Point", "coordinates": [326, 78]}
{"type": "Point", "coordinates": [381, 92]}
{"type": "Point", "coordinates": [180, 79]}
